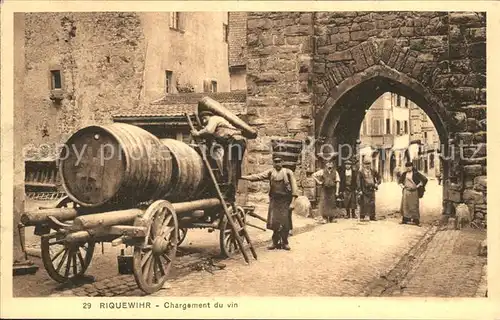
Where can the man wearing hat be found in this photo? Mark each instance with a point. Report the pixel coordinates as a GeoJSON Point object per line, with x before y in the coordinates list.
{"type": "Point", "coordinates": [229, 154]}
{"type": "Point", "coordinates": [348, 186]}
{"type": "Point", "coordinates": [413, 184]}
{"type": "Point", "coordinates": [282, 194]}
{"type": "Point", "coordinates": [368, 181]}
{"type": "Point", "coordinates": [328, 179]}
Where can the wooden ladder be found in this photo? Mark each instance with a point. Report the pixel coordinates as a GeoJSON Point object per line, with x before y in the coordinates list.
{"type": "Point", "coordinates": [234, 219]}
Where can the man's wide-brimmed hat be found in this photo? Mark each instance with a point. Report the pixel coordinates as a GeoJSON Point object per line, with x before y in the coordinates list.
{"type": "Point", "coordinates": [367, 161]}
{"type": "Point", "coordinates": [277, 159]}
{"type": "Point", "coordinates": [409, 164]}
{"type": "Point", "coordinates": [348, 162]}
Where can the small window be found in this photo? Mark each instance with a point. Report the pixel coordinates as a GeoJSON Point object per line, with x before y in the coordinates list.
{"type": "Point", "coordinates": [56, 79]}
{"type": "Point", "coordinates": [213, 86]}
{"type": "Point", "coordinates": [406, 127]}
{"type": "Point", "coordinates": [425, 135]}
{"type": "Point", "coordinates": [406, 102]}
{"type": "Point", "coordinates": [398, 100]}
{"type": "Point", "coordinates": [225, 32]}
{"type": "Point", "coordinates": [168, 82]}
{"type": "Point", "coordinates": [175, 18]}
{"type": "Point", "coordinates": [388, 126]}
{"type": "Point", "coordinates": [398, 127]}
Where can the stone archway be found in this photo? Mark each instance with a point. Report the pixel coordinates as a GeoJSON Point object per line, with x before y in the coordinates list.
{"type": "Point", "coordinates": [324, 68]}
{"type": "Point", "coordinates": [340, 118]}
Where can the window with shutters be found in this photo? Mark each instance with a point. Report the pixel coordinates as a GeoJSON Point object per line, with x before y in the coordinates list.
{"type": "Point", "coordinates": [376, 126]}
{"type": "Point", "coordinates": [169, 81]}
{"type": "Point", "coordinates": [209, 85]}
{"type": "Point", "coordinates": [225, 32]}
{"type": "Point", "coordinates": [363, 132]}
{"type": "Point", "coordinates": [176, 21]}
{"type": "Point", "coordinates": [56, 80]}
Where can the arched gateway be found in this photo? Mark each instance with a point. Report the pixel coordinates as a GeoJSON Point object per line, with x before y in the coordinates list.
{"type": "Point", "coordinates": [322, 70]}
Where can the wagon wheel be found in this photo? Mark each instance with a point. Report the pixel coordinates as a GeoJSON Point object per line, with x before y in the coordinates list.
{"type": "Point", "coordinates": [181, 235]}
{"type": "Point", "coordinates": [154, 258]}
{"type": "Point", "coordinates": [65, 261]}
{"type": "Point", "coordinates": [228, 243]}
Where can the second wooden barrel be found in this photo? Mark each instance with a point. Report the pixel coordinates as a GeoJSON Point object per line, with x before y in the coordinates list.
{"type": "Point", "coordinates": [188, 171]}
{"type": "Point", "coordinates": [117, 162]}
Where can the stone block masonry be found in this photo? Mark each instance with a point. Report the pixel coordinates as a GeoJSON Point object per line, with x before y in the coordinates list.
{"type": "Point", "coordinates": [308, 65]}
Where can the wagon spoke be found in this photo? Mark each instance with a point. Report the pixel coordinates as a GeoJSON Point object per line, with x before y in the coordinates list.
{"type": "Point", "coordinates": [151, 267]}
{"type": "Point", "coordinates": [161, 267]}
{"type": "Point", "coordinates": [146, 258]}
{"type": "Point", "coordinates": [75, 266]}
{"type": "Point", "coordinates": [68, 266]}
{"type": "Point", "coordinates": [80, 257]}
{"type": "Point", "coordinates": [61, 262]}
{"type": "Point", "coordinates": [58, 254]}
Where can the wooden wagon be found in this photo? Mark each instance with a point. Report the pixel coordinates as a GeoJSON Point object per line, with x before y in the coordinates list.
{"type": "Point", "coordinates": [128, 187]}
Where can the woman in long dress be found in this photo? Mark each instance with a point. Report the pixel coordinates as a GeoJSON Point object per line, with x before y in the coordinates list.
{"type": "Point", "coordinates": [329, 179]}
{"type": "Point", "coordinates": [413, 184]}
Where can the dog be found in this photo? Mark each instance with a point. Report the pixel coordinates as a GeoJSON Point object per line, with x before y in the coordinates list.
{"type": "Point", "coordinates": [462, 216]}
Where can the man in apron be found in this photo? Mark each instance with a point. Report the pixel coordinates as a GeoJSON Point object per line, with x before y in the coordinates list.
{"type": "Point", "coordinates": [368, 181]}
{"type": "Point", "coordinates": [328, 179]}
{"type": "Point", "coordinates": [413, 184]}
{"type": "Point", "coordinates": [282, 194]}
{"type": "Point", "coordinates": [229, 154]}
{"type": "Point", "coordinates": [348, 186]}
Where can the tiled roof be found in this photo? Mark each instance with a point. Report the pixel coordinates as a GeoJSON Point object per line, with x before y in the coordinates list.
{"type": "Point", "coordinates": [237, 38]}
{"type": "Point", "coordinates": [194, 98]}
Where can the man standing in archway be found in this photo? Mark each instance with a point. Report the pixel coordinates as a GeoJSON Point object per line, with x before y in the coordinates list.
{"type": "Point", "coordinates": [368, 182]}
{"type": "Point", "coordinates": [413, 184]}
{"type": "Point", "coordinates": [348, 186]}
{"type": "Point", "coordinates": [328, 179]}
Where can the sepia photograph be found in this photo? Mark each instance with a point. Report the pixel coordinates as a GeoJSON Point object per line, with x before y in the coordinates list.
{"type": "Point", "coordinates": [249, 154]}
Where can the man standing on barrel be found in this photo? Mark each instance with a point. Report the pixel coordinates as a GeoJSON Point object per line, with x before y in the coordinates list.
{"type": "Point", "coordinates": [233, 147]}
{"type": "Point", "coordinates": [282, 194]}
{"type": "Point", "coordinates": [368, 181]}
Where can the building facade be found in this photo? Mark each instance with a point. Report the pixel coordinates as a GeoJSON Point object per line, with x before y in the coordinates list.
{"type": "Point", "coordinates": [237, 50]}
{"type": "Point", "coordinates": [81, 68]}
{"type": "Point", "coordinates": [395, 130]}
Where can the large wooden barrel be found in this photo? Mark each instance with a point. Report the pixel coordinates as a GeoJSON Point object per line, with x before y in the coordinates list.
{"type": "Point", "coordinates": [289, 150]}
{"type": "Point", "coordinates": [117, 162]}
{"type": "Point", "coordinates": [209, 104]}
{"type": "Point", "coordinates": [188, 172]}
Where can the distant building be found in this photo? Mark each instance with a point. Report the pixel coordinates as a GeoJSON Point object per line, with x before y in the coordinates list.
{"type": "Point", "coordinates": [237, 50]}
{"type": "Point", "coordinates": [395, 130]}
{"type": "Point", "coordinates": [82, 68]}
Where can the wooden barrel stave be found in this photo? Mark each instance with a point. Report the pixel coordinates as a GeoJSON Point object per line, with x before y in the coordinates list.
{"type": "Point", "coordinates": [134, 172]}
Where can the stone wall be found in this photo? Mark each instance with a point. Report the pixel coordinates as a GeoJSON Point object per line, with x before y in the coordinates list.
{"type": "Point", "coordinates": [327, 68]}
{"type": "Point", "coordinates": [101, 58]}
{"type": "Point", "coordinates": [279, 70]}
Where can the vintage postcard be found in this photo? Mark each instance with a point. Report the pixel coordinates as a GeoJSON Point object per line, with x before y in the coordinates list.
{"type": "Point", "coordinates": [249, 159]}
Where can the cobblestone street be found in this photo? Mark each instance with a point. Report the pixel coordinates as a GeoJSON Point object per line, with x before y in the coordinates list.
{"type": "Point", "coordinates": [348, 258]}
